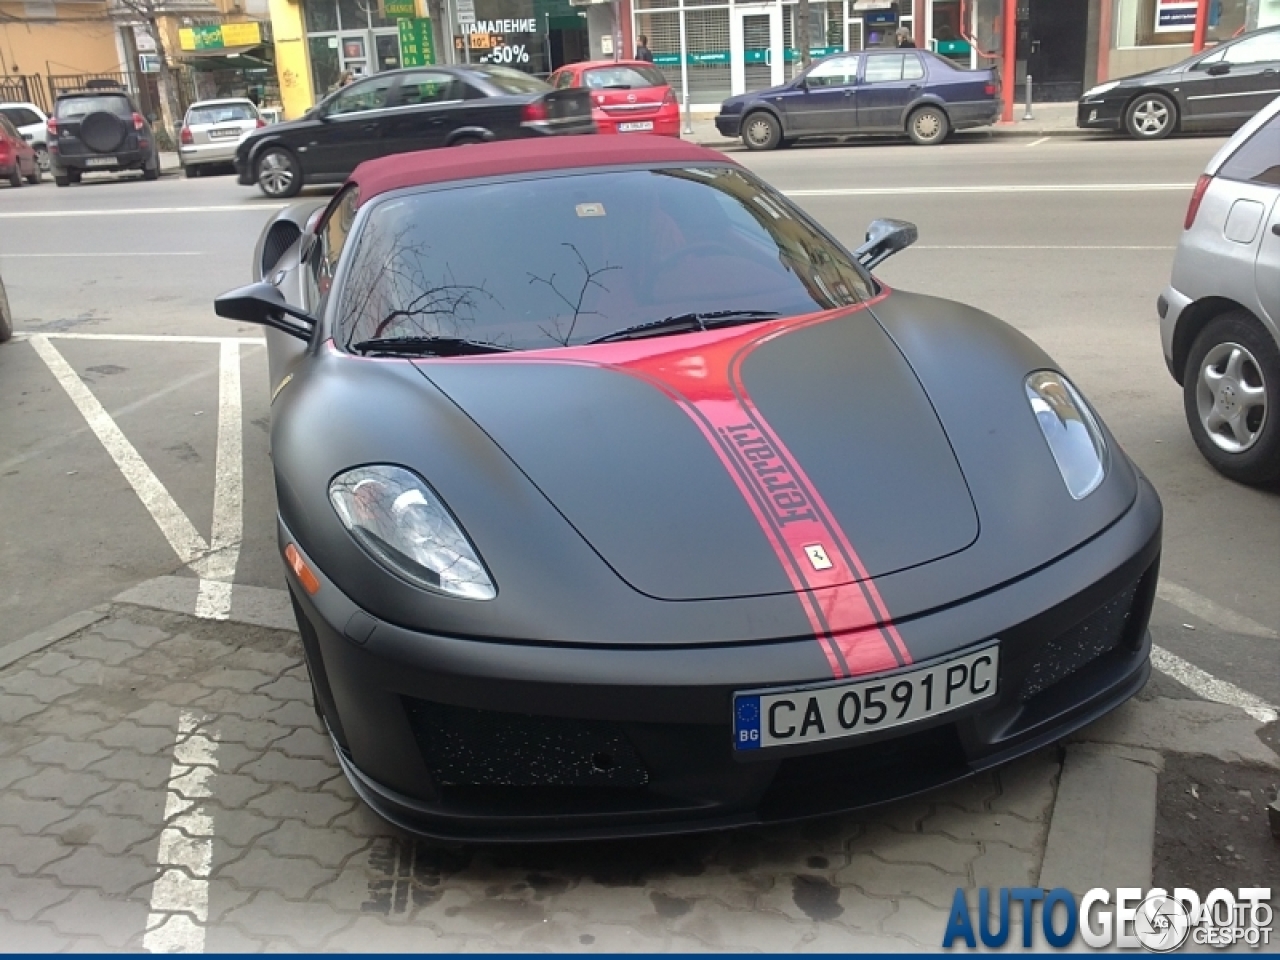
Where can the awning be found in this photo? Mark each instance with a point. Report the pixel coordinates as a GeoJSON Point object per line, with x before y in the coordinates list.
{"type": "Point", "coordinates": [229, 58]}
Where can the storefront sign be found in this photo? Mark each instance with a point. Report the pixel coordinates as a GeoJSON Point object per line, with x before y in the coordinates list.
{"type": "Point", "coordinates": [399, 9]}
{"type": "Point", "coordinates": [1175, 16]}
{"type": "Point", "coordinates": [415, 42]}
{"type": "Point", "coordinates": [219, 36]}
{"type": "Point", "coordinates": [748, 56]}
{"type": "Point", "coordinates": [466, 11]}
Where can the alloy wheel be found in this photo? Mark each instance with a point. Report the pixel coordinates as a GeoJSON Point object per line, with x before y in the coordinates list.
{"type": "Point", "coordinates": [1231, 397]}
{"type": "Point", "coordinates": [275, 174]}
{"type": "Point", "coordinates": [1151, 117]}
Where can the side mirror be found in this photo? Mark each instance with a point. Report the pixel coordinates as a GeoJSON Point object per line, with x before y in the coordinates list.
{"type": "Point", "coordinates": [263, 303]}
{"type": "Point", "coordinates": [884, 239]}
{"type": "Point", "coordinates": [1220, 68]}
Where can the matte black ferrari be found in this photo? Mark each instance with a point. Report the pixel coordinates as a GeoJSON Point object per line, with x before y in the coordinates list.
{"type": "Point", "coordinates": [616, 497]}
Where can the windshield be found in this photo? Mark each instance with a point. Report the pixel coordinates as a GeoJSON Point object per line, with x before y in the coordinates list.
{"type": "Point", "coordinates": [221, 113]}
{"type": "Point", "coordinates": [513, 81]}
{"type": "Point", "coordinates": [623, 78]}
{"type": "Point", "coordinates": [555, 261]}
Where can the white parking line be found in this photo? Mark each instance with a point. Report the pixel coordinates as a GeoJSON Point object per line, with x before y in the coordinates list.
{"type": "Point", "coordinates": [993, 188]}
{"type": "Point", "coordinates": [138, 211]}
{"type": "Point", "coordinates": [1036, 143]}
{"type": "Point", "coordinates": [214, 599]}
{"type": "Point", "coordinates": [138, 254]}
{"type": "Point", "coordinates": [138, 337]}
{"type": "Point", "coordinates": [1210, 687]}
{"type": "Point", "coordinates": [1210, 612]}
{"type": "Point", "coordinates": [1034, 246]}
{"type": "Point", "coordinates": [180, 895]}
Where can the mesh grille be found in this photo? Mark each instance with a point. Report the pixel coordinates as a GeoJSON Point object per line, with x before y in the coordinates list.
{"type": "Point", "coordinates": [467, 747]}
{"type": "Point", "coordinates": [1062, 656]}
{"type": "Point", "coordinates": [279, 239]}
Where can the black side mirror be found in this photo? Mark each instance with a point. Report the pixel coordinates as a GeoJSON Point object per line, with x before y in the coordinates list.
{"type": "Point", "coordinates": [1219, 68]}
{"type": "Point", "coordinates": [884, 239]}
{"type": "Point", "coordinates": [263, 303]}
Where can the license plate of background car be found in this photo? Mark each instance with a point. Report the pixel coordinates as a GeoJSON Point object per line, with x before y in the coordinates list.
{"type": "Point", "coordinates": [780, 718]}
{"type": "Point", "coordinates": [224, 133]}
{"type": "Point", "coordinates": [100, 162]}
{"type": "Point", "coordinates": [635, 127]}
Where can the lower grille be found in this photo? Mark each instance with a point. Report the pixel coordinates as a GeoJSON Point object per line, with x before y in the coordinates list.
{"type": "Point", "coordinates": [1096, 635]}
{"type": "Point", "coordinates": [467, 747]}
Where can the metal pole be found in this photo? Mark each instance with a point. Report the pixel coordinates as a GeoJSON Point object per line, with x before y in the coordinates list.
{"type": "Point", "coordinates": [1009, 60]}
{"type": "Point", "coordinates": [1028, 115]}
{"type": "Point", "coordinates": [688, 117]}
{"type": "Point", "coordinates": [1202, 22]}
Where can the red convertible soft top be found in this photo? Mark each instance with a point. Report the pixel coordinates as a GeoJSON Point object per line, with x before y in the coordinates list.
{"type": "Point", "coordinates": [511, 157]}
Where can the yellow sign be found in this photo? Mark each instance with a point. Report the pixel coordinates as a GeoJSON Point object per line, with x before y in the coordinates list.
{"type": "Point", "coordinates": [219, 36]}
{"type": "Point", "coordinates": [241, 34]}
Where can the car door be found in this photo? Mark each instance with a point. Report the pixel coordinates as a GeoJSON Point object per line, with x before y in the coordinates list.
{"type": "Point", "coordinates": [1255, 167]}
{"type": "Point", "coordinates": [425, 112]}
{"type": "Point", "coordinates": [824, 101]}
{"type": "Point", "coordinates": [890, 82]}
{"type": "Point", "coordinates": [1233, 84]}
{"type": "Point", "coordinates": [350, 130]}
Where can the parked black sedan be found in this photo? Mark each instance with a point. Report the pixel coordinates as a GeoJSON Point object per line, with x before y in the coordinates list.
{"type": "Point", "coordinates": [879, 92]}
{"type": "Point", "coordinates": [1218, 89]}
{"type": "Point", "coordinates": [400, 110]}
{"type": "Point", "coordinates": [617, 497]}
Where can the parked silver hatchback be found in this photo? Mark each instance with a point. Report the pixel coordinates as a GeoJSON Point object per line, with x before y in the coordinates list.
{"type": "Point", "coordinates": [212, 129]}
{"type": "Point", "coordinates": [1220, 314]}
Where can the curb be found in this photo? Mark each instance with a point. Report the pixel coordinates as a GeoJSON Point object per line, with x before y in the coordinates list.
{"type": "Point", "coordinates": [992, 133]}
{"type": "Point", "coordinates": [250, 606]}
{"type": "Point", "coordinates": [14, 651]}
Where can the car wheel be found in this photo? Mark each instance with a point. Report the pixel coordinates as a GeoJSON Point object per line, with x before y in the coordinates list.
{"type": "Point", "coordinates": [928, 126]}
{"type": "Point", "coordinates": [151, 173]}
{"type": "Point", "coordinates": [190, 172]}
{"type": "Point", "coordinates": [61, 179]}
{"type": "Point", "coordinates": [278, 174]}
{"type": "Point", "coordinates": [74, 176]}
{"type": "Point", "coordinates": [1151, 116]}
{"type": "Point", "coordinates": [1231, 396]}
{"type": "Point", "coordinates": [42, 159]}
{"type": "Point", "coordinates": [466, 142]}
{"type": "Point", "coordinates": [6, 318]}
{"type": "Point", "coordinates": [36, 173]}
{"type": "Point", "coordinates": [761, 131]}
{"type": "Point", "coordinates": [15, 178]}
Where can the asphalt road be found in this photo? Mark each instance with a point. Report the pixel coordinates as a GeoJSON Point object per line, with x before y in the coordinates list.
{"type": "Point", "coordinates": [1070, 240]}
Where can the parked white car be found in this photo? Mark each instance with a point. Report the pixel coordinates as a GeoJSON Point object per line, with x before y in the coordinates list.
{"type": "Point", "coordinates": [32, 124]}
{"type": "Point", "coordinates": [212, 130]}
{"type": "Point", "coordinates": [1220, 314]}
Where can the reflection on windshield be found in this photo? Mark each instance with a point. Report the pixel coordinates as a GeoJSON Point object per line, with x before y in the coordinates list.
{"type": "Point", "coordinates": [557, 261]}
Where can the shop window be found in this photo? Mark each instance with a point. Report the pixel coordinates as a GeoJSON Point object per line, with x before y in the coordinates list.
{"type": "Point", "coordinates": [325, 67]}
{"type": "Point", "coordinates": [321, 15]}
{"type": "Point", "coordinates": [1147, 23]}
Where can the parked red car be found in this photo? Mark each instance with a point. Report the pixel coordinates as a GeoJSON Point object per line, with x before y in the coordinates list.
{"type": "Point", "coordinates": [17, 158]}
{"type": "Point", "coordinates": [627, 96]}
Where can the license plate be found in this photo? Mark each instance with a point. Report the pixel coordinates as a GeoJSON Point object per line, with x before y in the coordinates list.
{"type": "Point", "coordinates": [224, 133]}
{"type": "Point", "coordinates": [100, 162]}
{"type": "Point", "coordinates": [635, 127]}
{"type": "Point", "coordinates": [779, 718]}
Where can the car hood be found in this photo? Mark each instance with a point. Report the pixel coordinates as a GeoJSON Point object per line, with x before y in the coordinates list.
{"type": "Point", "coordinates": [753, 461]}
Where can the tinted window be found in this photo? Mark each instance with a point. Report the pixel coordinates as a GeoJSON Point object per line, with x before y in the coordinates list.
{"type": "Point", "coordinates": [884, 68]}
{"type": "Point", "coordinates": [541, 262]}
{"type": "Point", "coordinates": [562, 79]}
{"type": "Point", "coordinates": [359, 97]}
{"type": "Point", "coordinates": [623, 78]}
{"type": "Point", "coordinates": [836, 72]}
{"type": "Point", "coordinates": [1260, 49]}
{"type": "Point", "coordinates": [427, 87]}
{"type": "Point", "coordinates": [1258, 158]}
{"type": "Point", "coordinates": [513, 81]}
{"type": "Point", "coordinates": [20, 116]}
{"type": "Point", "coordinates": [222, 113]}
{"type": "Point", "coordinates": [331, 239]}
{"type": "Point", "coordinates": [81, 106]}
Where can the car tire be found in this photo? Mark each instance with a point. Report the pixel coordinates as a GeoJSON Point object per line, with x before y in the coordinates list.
{"type": "Point", "coordinates": [74, 175]}
{"type": "Point", "coordinates": [1151, 116]}
{"type": "Point", "coordinates": [36, 174]}
{"type": "Point", "coordinates": [468, 141]}
{"type": "Point", "coordinates": [761, 131]}
{"type": "Point", "coordinates": [928, 126]}
{"type": "Point", "coordinates": [191, 172]}
{"type": "Point", "coordinates": [61, 179]}
{"type": "Point", "coordinates": [277, 173]}
{"type": "Point", "coordinates": [1231, 398]}
{"type": "Point", "coordinates": [43, 161]}
{"type": "Point", "coordinates": [6, 318]}
{"type": "Point", "coordinates": [15, 178]}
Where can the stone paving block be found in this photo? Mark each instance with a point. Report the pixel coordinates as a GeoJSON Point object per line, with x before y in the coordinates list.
{"type": "Point", "coordinates": [275, 767]}
{"type": "Point", "coordinates": [287, 688]}
{"type": "Point", "coordinates": [91, 867]}
{"type": "Point", "coordinates": [983, 827]}
{"type": "Point", "coordinates": [463, 913]}
{"type": "Point", "coordinates": [157, 715]}
{"type": "Point", "coordinates": [14, 708]}
{"type": "Point", "coordinates": [13, 769]}
{"type": "Point", "coordinates": [22, 937]}
{"type": "Point", "coordinates": [808, 897]}
{"type": "Point", "coordinates": [720, 928]}
{"type": "Point", "coordinates": [44, 689]}
{"type": "Point", "coordinates": [306, 742]}
{"type": "Point", "coordinates": [78, 718]}
{"type": "Point", "coordinates": [1004, 866]}
{"type": "Point", "coordinates": [975, 794]}
{"type": "Point", "coordinates": [224, 897]}
{"type": "Point", "coordinates": [237, 828]}
{"type": "Point", "coordinates": [72, 787]}
{"type": "Point", "coordinates": [932, 849]}
{"type": "Point", "coordinates": [907, 816]}
{"type": "Point", "coordinates": [292, 878]}
{"type": "Point", "coordinates": [30, 817]}
{"type": "Point", "coordinates": [127, 766]}
{"type": "Point", "coordinates": [1028, 786]}
{"type": "Point", "coordinates": [269, 915]}
{"type": "Point", "coordinates": [148, 740]}
{"type": "Point", "coordinates": [182, 691]}
{"type": "Point", "coordinates": [296, 713]}
{"type": "Point", "coordinates": [52, 663]}
{"type": "Point", "coordinates": [270, 662]}
{"type": "Point", "coordinates": [114, 834]}
{"type": "Point", "coordinates": [919, 922]}
{"type": "Point", "coordinates": [59, 751]}
{"type": "Point", "coordinates": [113, 641]}
{"type": "Point", "coordinates": [128, 799]}
{"type": "Point", "coordinates": [22, 898]}
{"type": "Point", "coordinates": [241, 681]}
{"type": "Point", "coordinates": [234, 790]}
{"type": "Point", "coordinates": [197, 647]}
{"type": "Point", "coordinates": [95, 673]}
{"type": "Point", "coordinates": [224, 939]}
{"type": "Point", "coordinates": [316, 809]}
{"type": "Point", "coordinates": [255, 734]}
{"type": "Point", "coordinates": [831, 938]}
{"type": "Point", "coordinates": [28, 852]}
{"type": "Point", "coordinates": [374, 934]}
{"type": "Point", "coordinates": [327, 846]}
{"type": "Point", "coordinates": [880, 879]}
{"type": "Point", "coordinates": [246, 706]}
{"type": "Point", "coordinates": [89, 913]}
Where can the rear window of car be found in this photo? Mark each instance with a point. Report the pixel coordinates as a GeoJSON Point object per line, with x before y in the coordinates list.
{"type": "Point", "coordinates": [222, 113]}
{"type": "Point", "coordinates": [20, 116]}
{"type": "Point", "coordinates": [513, 81]}
{"type": "Point", "coordinates": [83, 106]}
{"type": "Point", "coordinates": [537, 263]}
{"type": "Point", "coordinates": [623, 78]}
{"type": "Point", "coordinates": [1258, 158]}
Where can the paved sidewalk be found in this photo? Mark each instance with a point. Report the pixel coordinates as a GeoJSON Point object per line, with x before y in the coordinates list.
{"type": "Point", "coordinates": [164, 784]}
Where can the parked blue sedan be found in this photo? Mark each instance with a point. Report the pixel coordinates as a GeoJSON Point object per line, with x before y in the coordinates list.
{"type": "Point", "coordinates": [881, 91]}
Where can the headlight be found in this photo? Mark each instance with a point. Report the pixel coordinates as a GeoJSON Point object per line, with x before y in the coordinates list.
{"type": "Point", "coordinates": [1100, 89]}
{"type": "Point", "coordinates": [1073, 435]}
{"type": "Point", "coordinates": [394, 515]}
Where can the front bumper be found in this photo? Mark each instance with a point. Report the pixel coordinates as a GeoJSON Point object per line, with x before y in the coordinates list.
{"type": "Point", "coordinates": [729, 125]}
{"type": "Point", "coordinates": [477, 740]}
{"type": "Point", "coordinates": [1100, 114]}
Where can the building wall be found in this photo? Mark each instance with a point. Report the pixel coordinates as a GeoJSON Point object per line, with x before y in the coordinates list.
{"type": "Point", "coordinates": [1126, 60]}
{"type": "Point", "coordinates": [60, 46]}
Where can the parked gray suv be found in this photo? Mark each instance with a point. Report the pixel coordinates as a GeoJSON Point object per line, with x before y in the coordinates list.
{"type": "Point", "coordinates": [1220, 314]}
{"type": "Point", "coordinates": [100, 130]}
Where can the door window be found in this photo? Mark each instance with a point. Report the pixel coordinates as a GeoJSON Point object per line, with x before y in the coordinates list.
{"type": "Point", "coordinates": [20, 116]}
{"type": "Point", "coordinates": [836, 72]}
{"type": "Point", "coordinates": [884, 68]}
{"type": "Point", "coordinates": [427, 87]}
{"type": "Point", "coordinates": [912, 68]}
{"type": "Point", "coordinates": [1259, 49]}
{"type": "Point", "coordinates": [331, 240]}
{"type": "Point", "coordinates": [1258, 159]}
{"type": "Point", "coordinates": [359, 97]}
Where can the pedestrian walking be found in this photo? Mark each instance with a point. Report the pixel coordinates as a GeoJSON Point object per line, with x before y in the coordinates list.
{"type": "Point", "coordinates": [642, 50]}
{"type": "Point", "coordinates": [904, 39]}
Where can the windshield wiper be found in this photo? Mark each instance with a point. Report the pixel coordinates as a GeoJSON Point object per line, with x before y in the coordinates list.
{"type": "Point", "coordinates": [686, 322]}
{"type": "Point", "coordinates": [427, 346]}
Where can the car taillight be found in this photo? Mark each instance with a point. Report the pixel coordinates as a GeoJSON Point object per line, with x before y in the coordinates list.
{"type": "Point", "coordinates": [185, 135]}
{"type": "Point", "coordinates": [138, 121]}
{"type": "Point", "coordinates": [533, 112]}
{"type": "Point", "coordinates": [990, 90]}
{"type": "Point", "coordinates": [52, 127]}
{"type": "Point", "coordinates": [669, 96]}
{"type": "Point", "coordinates": [1196, 196]}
